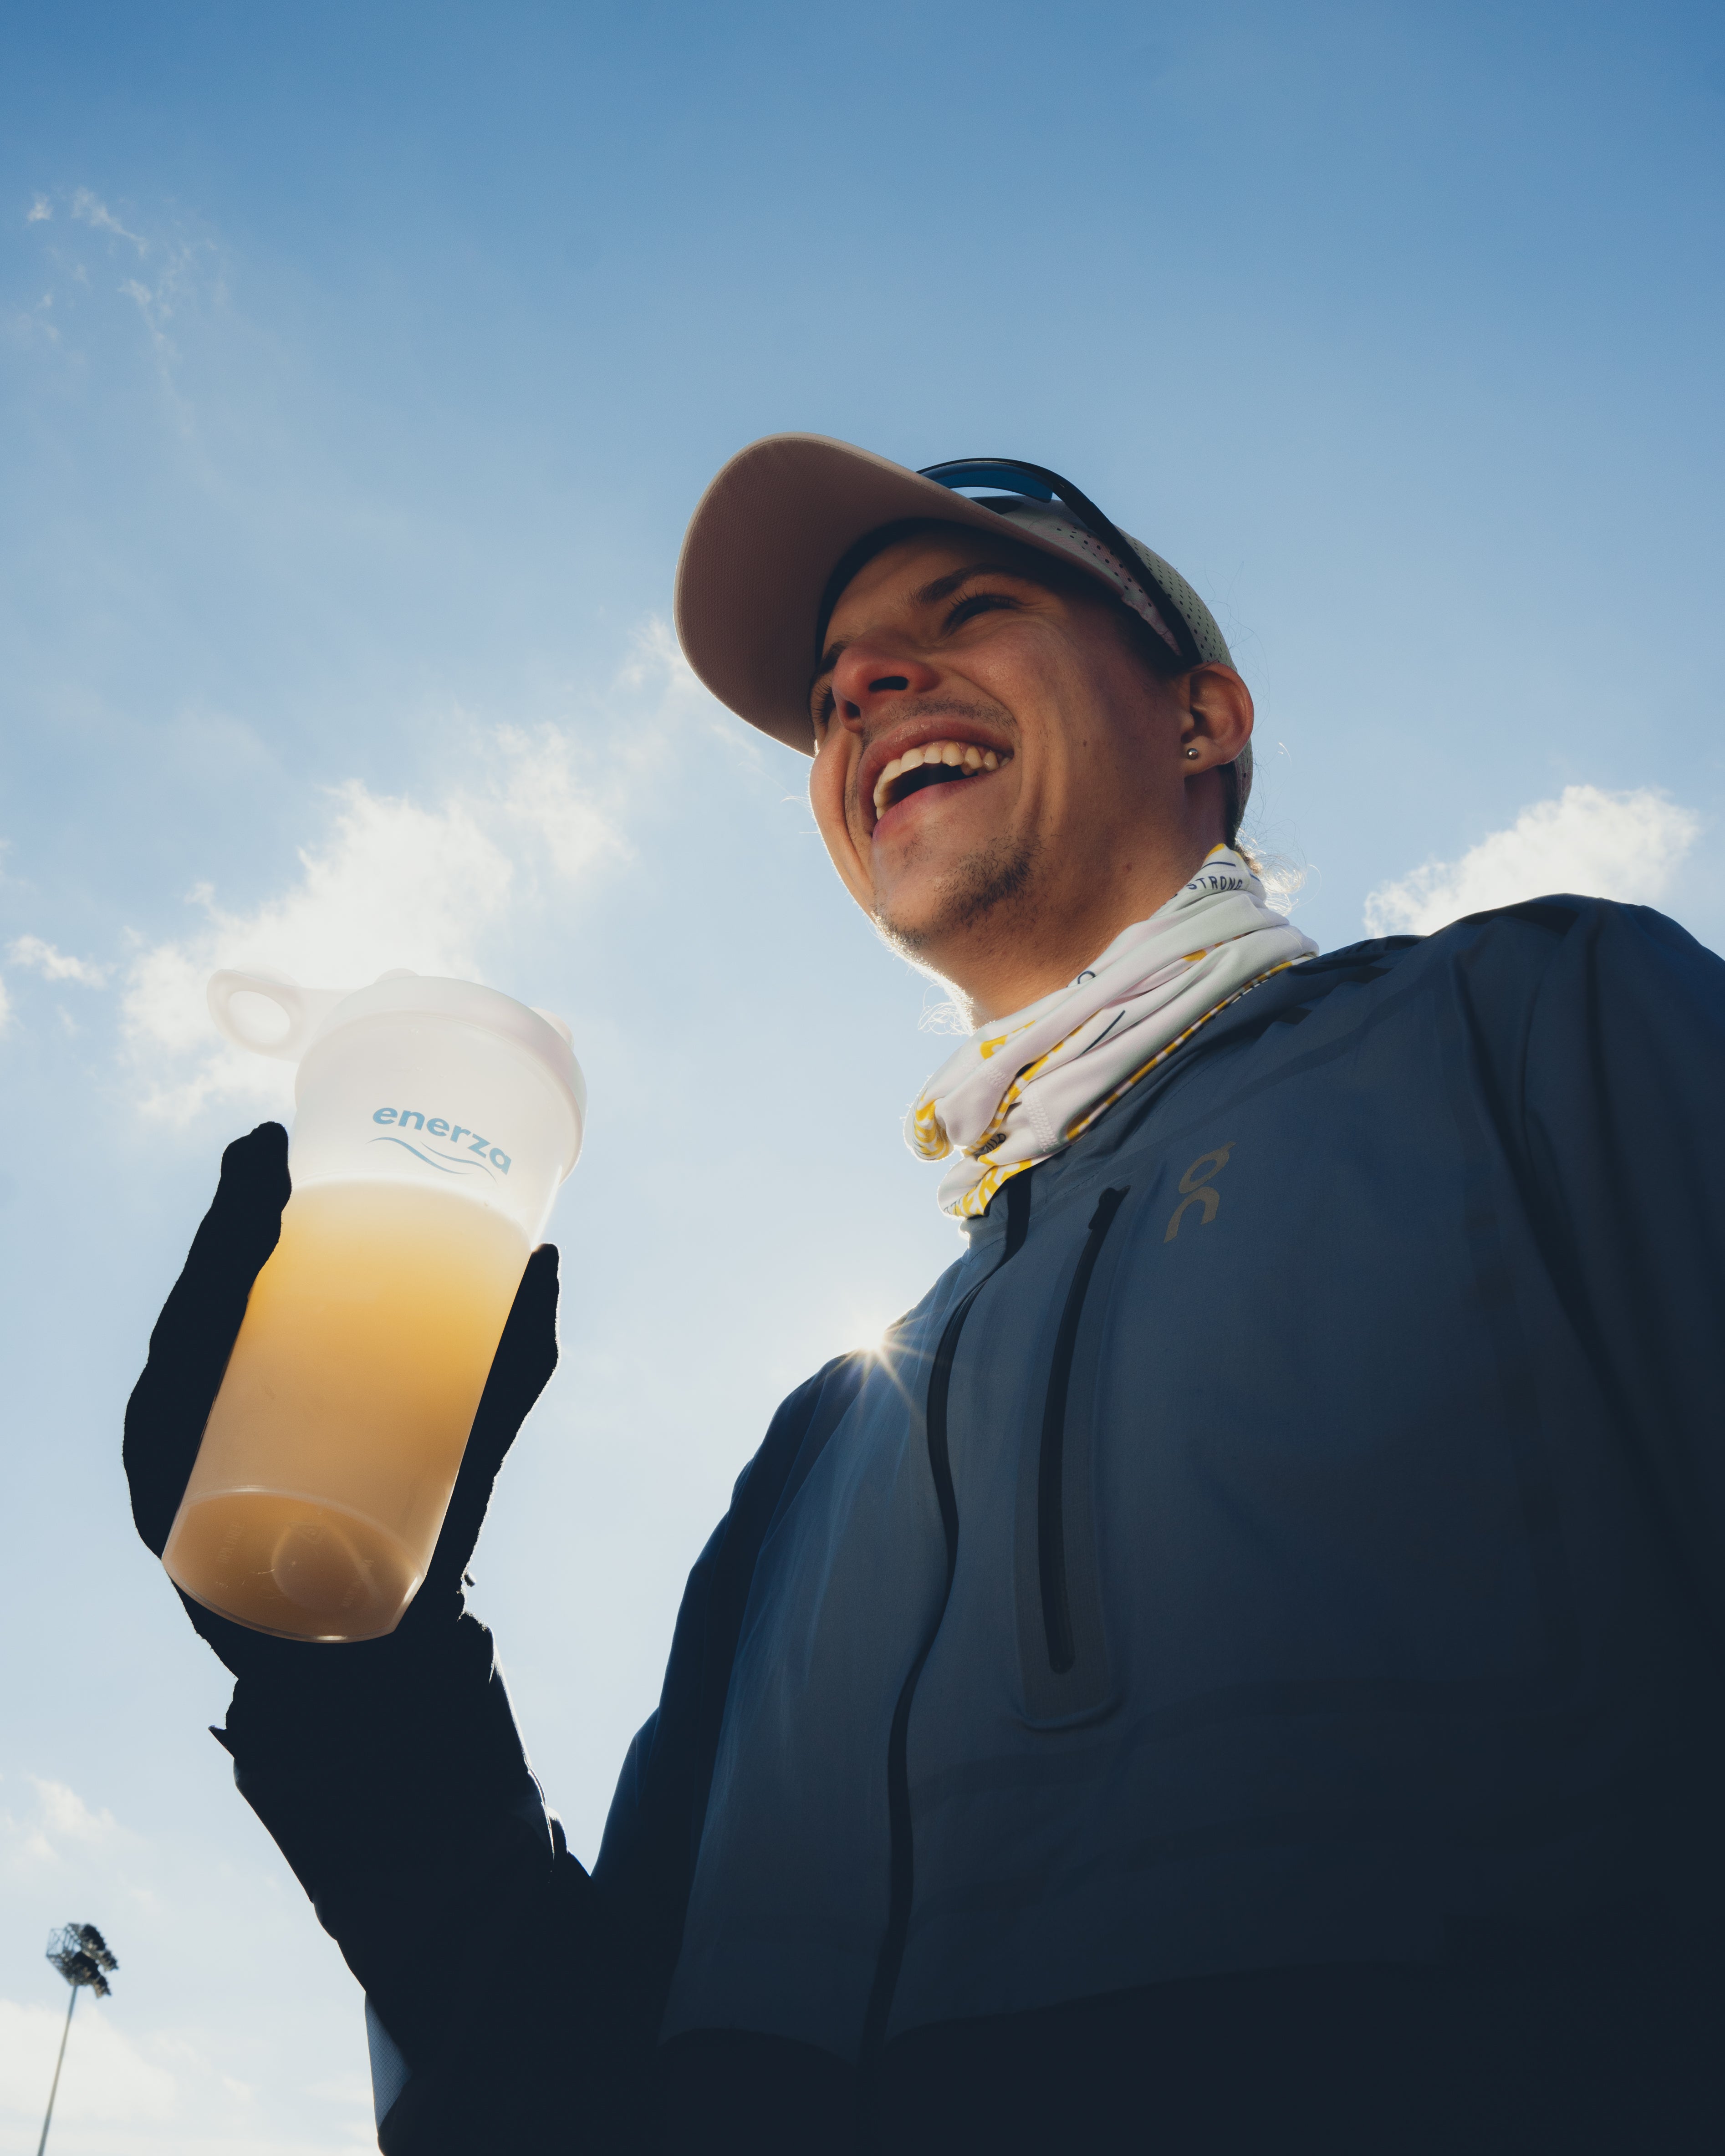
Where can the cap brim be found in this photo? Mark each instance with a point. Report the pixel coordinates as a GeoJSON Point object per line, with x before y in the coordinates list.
{"type": "Point", "coordinates": [767, 534]}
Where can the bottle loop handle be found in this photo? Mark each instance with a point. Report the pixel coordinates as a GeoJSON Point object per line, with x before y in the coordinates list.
{"type": "Point", "coordinates": [303, 1010]}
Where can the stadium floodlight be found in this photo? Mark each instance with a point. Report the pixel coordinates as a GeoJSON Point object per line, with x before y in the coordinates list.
{"type": "Point", "coordinates": [80, 1954]}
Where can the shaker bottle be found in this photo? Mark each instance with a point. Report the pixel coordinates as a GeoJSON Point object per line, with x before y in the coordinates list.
{"type": "Point", "coordinates": [435, 1121]}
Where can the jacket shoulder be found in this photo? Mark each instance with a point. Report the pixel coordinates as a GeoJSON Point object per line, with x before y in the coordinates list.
{"type": "Point", "coordinates": [1530, 937]}
{"type": "Point", "coordinates": [1561, 955]}
{"type": "Point", "coordinates": [1557, 994]}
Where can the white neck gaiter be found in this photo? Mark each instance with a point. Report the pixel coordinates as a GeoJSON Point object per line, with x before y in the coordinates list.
{"type": "Point", "coordinates": [1022, 1087]}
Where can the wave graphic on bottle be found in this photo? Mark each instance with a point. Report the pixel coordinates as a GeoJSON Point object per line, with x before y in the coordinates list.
{"type": "Point", "coordinates": [437, 1126]}
{"type": "Point", "coordinates": [449, 1166]}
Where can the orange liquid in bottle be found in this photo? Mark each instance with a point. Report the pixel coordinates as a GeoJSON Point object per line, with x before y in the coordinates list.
{"type": "Point", "coordinates": [333, 1445]}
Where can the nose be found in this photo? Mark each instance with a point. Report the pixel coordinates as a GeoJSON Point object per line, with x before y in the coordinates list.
{"type": "Point", "coordinates": [870, 673]}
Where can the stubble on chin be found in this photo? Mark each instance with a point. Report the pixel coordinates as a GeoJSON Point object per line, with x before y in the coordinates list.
{"type": "Point", "coordinates": [988, 895]}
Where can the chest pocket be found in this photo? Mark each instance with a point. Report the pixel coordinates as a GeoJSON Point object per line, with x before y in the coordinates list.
{"type": "Point", "coordinates": [1063, 1649]}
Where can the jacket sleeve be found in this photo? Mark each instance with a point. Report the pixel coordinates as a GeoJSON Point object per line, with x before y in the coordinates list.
{"type": "Point", "coordinates": [494, 2001]}
{"type": "Point", "coordinates": [514, 2000]}
{"type": "Point", "coordinates": [1623, 1091]}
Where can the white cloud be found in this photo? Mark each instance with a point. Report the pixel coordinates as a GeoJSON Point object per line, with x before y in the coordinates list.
{"type": "Point", "coordinates": [57, 1825]}
{"type": "Point", "coordinates": [55, 965]}
{"type": "Point", "coordinates": [183, 274]}
{"type": "Point", "coordinates": [5, 1008]}
{"type": "Point", "coordinates": [1625, 846]}
{"type": "Point", "coordinates": [354, 2090]}
{"type": "Point", "coordinates": [392, 882]}
{"type": "Point", "coordinates": [88, 209]}
{"type": "Point", "coordinates": [543, 796]}
{"type": "Point", "coordinates": [176, 284]}
{"type": "Point", "coordinates": [40, 210]}
{"type": "Point", "coordinates": [68, 1818]}
{"type": "Point", "coordinates": [107, 2079]}
{"type": "Point", "coordinates": [172, 2064]}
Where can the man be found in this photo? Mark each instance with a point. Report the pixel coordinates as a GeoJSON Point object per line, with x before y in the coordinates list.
{"type": "Point", "coordinates": [1242, 1668]}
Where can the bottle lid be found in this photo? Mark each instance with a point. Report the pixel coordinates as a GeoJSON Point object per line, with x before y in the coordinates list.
{"type": "Point", "coordinates": [312, 1015]}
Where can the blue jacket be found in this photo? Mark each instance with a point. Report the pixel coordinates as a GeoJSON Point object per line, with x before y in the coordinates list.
{"type": "Point", "coordinates": [1290, 1534]}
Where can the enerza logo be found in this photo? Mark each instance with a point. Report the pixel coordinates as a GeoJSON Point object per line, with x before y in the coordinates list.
{"type": "Point", "coordinates": [465, 1143]}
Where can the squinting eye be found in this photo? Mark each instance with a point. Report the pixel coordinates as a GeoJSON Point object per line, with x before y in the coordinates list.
{"type": "Point", "coordinates": [979, 603]}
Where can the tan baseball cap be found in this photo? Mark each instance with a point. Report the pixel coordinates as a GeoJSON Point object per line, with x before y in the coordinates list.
{"type": "Point", "coordinates": [762, 549]}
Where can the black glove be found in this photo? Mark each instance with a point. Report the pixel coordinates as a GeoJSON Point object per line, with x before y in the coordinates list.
{"type": "Point", "coordinates": [188, 1356]}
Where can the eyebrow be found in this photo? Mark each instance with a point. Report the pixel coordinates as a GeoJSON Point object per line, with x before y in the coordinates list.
{"type": "Point", "coordinates": [932, 595]}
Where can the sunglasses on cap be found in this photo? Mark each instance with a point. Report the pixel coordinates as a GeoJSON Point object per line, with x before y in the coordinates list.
{"type": "Point", "coordinates": [1036, 483]}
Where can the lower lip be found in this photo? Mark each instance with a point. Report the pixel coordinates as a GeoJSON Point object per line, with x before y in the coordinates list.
{"type": "Point", "coordinates": [950, 789]}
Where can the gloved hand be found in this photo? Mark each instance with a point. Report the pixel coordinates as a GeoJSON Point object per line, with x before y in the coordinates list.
{"type": "Point", "coordinates": [188, 1355]}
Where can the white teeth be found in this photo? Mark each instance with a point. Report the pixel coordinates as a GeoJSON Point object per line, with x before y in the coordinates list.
{"type": "Point", "coordinates": [955, 755]}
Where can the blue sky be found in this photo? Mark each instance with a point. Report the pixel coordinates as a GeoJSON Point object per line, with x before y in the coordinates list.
{"type": "Point", "coordinates": [359, 367]}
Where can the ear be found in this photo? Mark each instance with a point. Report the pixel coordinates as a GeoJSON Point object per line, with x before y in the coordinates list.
{"type": "Point", "coordinates": [1218, 718]}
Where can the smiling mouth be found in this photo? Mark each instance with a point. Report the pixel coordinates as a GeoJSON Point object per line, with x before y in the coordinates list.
{"type": "Point", "coordinates": [934, 763]}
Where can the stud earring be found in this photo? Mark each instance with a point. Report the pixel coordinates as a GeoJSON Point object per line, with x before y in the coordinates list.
{"type": "Point", "coordinates": [1192, 752]}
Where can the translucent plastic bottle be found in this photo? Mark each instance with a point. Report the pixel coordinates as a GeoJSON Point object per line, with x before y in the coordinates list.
{"type": "Point", "coordinates": [435, 1121]}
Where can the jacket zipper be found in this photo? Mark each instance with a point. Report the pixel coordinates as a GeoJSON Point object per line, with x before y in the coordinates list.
{"type": "Point", "coordinates": [1051, 1496]}
{"type": "Point", "coordinates": [902, 1874]}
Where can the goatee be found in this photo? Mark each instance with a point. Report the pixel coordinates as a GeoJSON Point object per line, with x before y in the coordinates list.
{"type": "Point", "coordinates": [987, 890]}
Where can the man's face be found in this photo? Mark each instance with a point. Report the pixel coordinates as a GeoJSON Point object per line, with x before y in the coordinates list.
{"type": "Point", "coordinates": [997, 764]}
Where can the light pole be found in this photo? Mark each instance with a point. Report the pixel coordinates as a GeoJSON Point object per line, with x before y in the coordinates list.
{"type": "Point", "coordinates": [80, 1954]}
